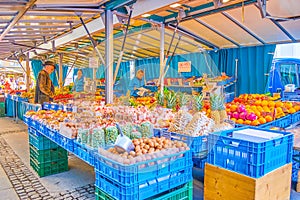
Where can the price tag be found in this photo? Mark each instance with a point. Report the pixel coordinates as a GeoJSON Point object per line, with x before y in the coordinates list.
{"type": "Point", "coordinates": [184, 66]}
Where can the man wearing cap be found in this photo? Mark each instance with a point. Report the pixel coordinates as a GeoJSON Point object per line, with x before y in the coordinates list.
{"type": "Point", "coordinates": [44, 90]}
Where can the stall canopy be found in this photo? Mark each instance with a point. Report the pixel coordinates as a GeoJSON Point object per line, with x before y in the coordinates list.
{"type": "Point", "coordinates": [48, 27]}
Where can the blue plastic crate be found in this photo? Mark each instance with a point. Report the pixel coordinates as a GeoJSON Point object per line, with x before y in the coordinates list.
{"type": "Point", "coordinates": [198, 145]}
{"type": "Point", "coordinates": [296, 165]}
{"type": "Point", "coordinates": [295, 117]}
{"type": "Point", "coordinates": [52, 134]}
{"type": "Point", "coordinates": [27, 120]}
{"type": "Point", "coordinates": [283, 122]}
{"type": "Point", "coordinates": [64, 142]}
{"type": "Point", "coordinates": [249, 158]}
{"type": "Point", "coordinates": [35, 124]}
{"type": "Point", "coordinates": [143, 189]}
{"type": "Point", "coordinates": [85, 153]}
{"type": "Point", "coordinates": [46, 106]}
{"type": "Point", "coordinates": [157, 132]}
{"type": "Point", "coordinates": [39, 141]}
{"type": "Point", "coordinates": [42, 129]}
{"type": "Point", "coordinates": [199, 162]}
{"type": "Point", "coordinates": [142, 171]}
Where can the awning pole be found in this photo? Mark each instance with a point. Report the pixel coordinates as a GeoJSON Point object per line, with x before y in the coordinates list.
{"type": "Point", "coordinates": [162, 56]}
{"type": "Point", "coordinates": [109, 56]}
{"type": "Point", "coordinates": [123, 45]}
{"type": "Point", "coordinates": [27, 73]}
{"type": "Point", "coordinates": [92, 40]}
{"type": "Point", "coordinates": [60, 73]}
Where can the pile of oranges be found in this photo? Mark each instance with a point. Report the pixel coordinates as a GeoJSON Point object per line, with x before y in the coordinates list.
{"type": "Point", "coordinates": [265, 110]}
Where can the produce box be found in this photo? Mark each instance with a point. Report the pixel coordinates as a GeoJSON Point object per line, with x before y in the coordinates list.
{"type": "Point", "coordinates": [39, 141]}
{"type": "Point", "coordinates": [143, 171]}
{"type": "Point", "coordinates": [64, 142]}
{"type": "Point", "coordinates": [27, 120]}
{"type": "Point", "coordinates": [296, 165]}
{"type": "Point", "coordinates": [253, 159]}
{"type": "Point", "coordinates": [49, 168]}
{"type": "Point", "coordinates": [144, 189]}
{"type": "Point", "coordinates": [198, 145]}
{"type": "Point", "coordinates": [199, 162]}
{"type": "Point", "coordinates": [223, 184]}
{"type": "Point", "coordinates": [48, 155]}
{"type": "Point", "coordinates": [182, 192]}
{"type": "Point", "coordinates": [2, 109]}
{"type": "Point", "coordinates": [85, 153]}
{"type": "Point", "coordinates": [295, 117]}
{"type": "Point", "coordinates": [283, 122]}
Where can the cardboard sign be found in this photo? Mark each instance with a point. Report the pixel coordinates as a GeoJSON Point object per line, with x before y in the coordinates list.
{"type": "Point", "coordinates": [93, 62]}
{"type": "Point", "coordinates": [184, 66]}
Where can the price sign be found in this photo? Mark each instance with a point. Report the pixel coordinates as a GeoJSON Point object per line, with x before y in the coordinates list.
{"type": "Point", "coordinates": [93, 62]}
{"type": "Point", "coordinates": [184, 66]}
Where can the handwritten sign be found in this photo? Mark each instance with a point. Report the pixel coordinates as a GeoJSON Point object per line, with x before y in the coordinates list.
{"type": "Point", "coordinates": [93, 62]}
{"type": "Point", "coordinates": [184, 66]}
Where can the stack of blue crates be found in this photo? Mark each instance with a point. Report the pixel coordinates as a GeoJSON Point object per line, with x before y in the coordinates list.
{"type": "Point", "coordinates": [142, 180]}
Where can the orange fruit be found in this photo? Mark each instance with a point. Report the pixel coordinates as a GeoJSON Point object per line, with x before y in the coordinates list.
{"type": "Point", "coordinates": [292, 110]}
{"type": "Point", "coordinates": [279, 110]}
{"type": "Point", "coordinates": [233, 108]}
{"type": "Point", "coordinates": [257, 113]}
{"type": "Point", "coordinates": [247, 122]}
{"type": "Point", "coordinates": [258, 103]}
{"type": "Point", "coordinates": [288, 105]}
{"type": "Point", "coordinates": [271, 104]}
{"type": "Point", "coordinates": [264, 103]}
{"type": "Point", "coordinates": [268, 118]}
{"type": "Point", "coordinates": [240, 121]}
{"type": "Point", "coordinates": [233, 119]}
{"type": "Point", "coordinates": [297, 108]}
{"type": "Point", "coordinates": [278, 104]}
{"type": "Point", "coordinates": [253, 108]}
{"type": "Point", "coordinates": [259, 108]}
{"type": "Point", "coordinates": [255, 123]}
{"type": "Point", "coordinates": [262, 120]}
{"type": "Point", "coordinates": [266, 109]}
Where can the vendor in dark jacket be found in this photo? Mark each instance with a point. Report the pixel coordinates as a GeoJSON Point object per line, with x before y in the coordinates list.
{"type": "Point", "coordinates": [44, 90]}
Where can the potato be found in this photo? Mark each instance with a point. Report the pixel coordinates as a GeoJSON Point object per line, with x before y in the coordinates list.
{"type": "Point", "coordinates": [137, 148]}
{"type": "Point", "coordinates": [132, 153]}
{"type": "Point", "coordinates": [144, 151]}
{"type": "Point", "coordinates": [146, 147]}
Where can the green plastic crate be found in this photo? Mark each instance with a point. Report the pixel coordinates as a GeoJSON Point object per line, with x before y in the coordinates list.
{"type": "Point", "coordinates": [2, 112]}
{"type": "Point", "coordinates": [184, 192]}
{"type": "Point", "coordinates": [41, 142]}
{"type": "Point", "coordinates": [2, 109]}
{"type": "Point", "coordinates": [49, 168]}
{"type": "Point", "coordinates": [49, 155]}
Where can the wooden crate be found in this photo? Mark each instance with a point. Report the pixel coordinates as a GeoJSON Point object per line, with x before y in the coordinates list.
{"type": "Point", "coordinates": [298, 183]}
{"type": "Point", "coordinates": [220, 183]}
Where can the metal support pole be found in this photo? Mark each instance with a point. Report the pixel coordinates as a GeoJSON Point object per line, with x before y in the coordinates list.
{"type": "Point", "coordinates": [162, 57]}
{"type": "Point", "coordinates": [27, 73]}
{"type": "Point", "coordinates": [60, 75]}
{"type": "Point", "coordinates": [236, 76]}
{"type": "Point", "coordinates": [109, 56]}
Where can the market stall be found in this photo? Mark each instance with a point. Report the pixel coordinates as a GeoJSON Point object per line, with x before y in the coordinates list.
{"type": "Point", "coordinates": [182, 82]}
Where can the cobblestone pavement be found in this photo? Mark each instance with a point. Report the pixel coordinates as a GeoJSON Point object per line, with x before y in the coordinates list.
{"type": "Point", "coordinates": [27, 184]}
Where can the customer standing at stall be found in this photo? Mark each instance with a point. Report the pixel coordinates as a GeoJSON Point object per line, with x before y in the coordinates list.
{"type": "Point", "coordinates": [44, 90]}
{"type": "Point", "coordinates": [79, 82]}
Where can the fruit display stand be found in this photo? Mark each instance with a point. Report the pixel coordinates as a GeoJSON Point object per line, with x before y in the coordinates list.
{"type": "Point", "coordinates": [9, 105]}
{"type": "Point", "coordinates": [167, 176]}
